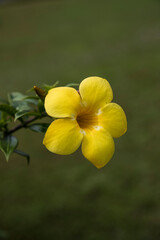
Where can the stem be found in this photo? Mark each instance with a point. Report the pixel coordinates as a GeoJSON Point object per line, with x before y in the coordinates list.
{"type": "Point", "coordinates": [23, 125]}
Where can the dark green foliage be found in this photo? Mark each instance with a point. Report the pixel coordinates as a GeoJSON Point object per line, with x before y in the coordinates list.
{"type": "Point", "coordinates": [39, 127]}
{"type": "Point", "coordinates": [47, 87]}
{"type": "Point", "coordinates": [24, 113]}
{"type": "Point", "coordinates": [25, 109]}
{"type": "Point", "coordinates": [8, 109]}
{"type": "Point", "coordinates": [19, 107]}
{"type": "Point", "coordinates": [7, 145]}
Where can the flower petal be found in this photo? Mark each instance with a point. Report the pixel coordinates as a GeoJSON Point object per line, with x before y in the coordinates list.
{"type": "Point", "coordinates": [63, 136]}
{"type": "Point", "coordinates": [98, 147]}
{"type": "Point", "coordinates": [62, 102]}
{"type": "Point", "coordinates": [113, 119]}
{"type": "Point", "coordinates": [95, 92]}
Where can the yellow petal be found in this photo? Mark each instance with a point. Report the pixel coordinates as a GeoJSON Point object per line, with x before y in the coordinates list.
{"type": "Point", "coordinates": [98, 147]}
{"type": "Point", "coordinates": [62, 102]}
{"type": "Point", "coordinates": [95, 92]}
{"type": "Point", "coordinates": [63, 136]}
{"type": "Point", "coordinates": [113, 119]}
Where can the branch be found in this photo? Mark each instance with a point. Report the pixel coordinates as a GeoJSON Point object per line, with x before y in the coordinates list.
{"type": "Point", "coordinates": [25, 124]}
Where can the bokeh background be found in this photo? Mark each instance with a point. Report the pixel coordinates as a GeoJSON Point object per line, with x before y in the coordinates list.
{"type": "Point", "coordinates": [66, 197]}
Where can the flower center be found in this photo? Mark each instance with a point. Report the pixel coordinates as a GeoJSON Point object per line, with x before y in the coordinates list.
{"type": "Point", "coordinates": [87, 119]}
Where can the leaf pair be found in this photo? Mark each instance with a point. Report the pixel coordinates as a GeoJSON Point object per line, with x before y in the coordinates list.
{"type": "Point", "coordinates": [23, 105]}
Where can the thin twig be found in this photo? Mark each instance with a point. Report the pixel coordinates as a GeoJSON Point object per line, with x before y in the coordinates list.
{"type": "Point", "coordinates": [23, 125]}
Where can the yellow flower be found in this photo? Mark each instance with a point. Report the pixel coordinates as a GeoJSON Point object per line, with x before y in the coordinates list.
{"type": "Point", "coordinates": [86, 117]}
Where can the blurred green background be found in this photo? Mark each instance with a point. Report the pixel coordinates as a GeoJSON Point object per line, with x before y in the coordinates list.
{"type": "Point", "coordinates": [66, 197]}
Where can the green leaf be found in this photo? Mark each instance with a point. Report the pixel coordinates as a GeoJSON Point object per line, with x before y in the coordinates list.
{"type": "Point", "coordinates": [48, 87]}
{"type": "Point", "coordinates": [39, 127]}
{"type": "Point", "coordinates": [23, 106]}
{"type": "Point", "coordinates": [8, 109]}
{"type": "Point", "coordinates": [72, 84]}
{"type": "Point", "coordinates": [22, 102]}
{"type": "Point", "coordinates": [25, 113]}
{"type": "Point", "coordinates": [23, 154]}
{"type": "Point", "coordinates": [8, 145]}
{"type": "Point", "coordinates": [31, 99]}
{"type": "Point", "coordinates": [20, 105]}
{"type": "Point", "coordinates": [41, 106]}
{"type": "Point", "coordinates": [16, 97]}
{"type": "Point", "coordinates": [3, 121]}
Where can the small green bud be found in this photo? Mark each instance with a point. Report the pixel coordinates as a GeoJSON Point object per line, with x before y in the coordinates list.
{"type": "Point", "coordinates": [40, 92]}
